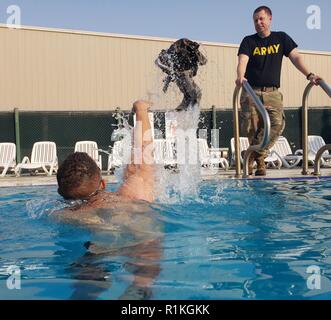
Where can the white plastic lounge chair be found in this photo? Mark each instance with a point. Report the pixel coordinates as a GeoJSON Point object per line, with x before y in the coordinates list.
{"type": "Point", "coordinates": [43, 156]}
{"type": "Point", "coordinates": [283, 151]}
{"type": "Point", "coordinates": [7, 157]}
{"type": "Point", "coordinates": [210, 159]}
{"type": "Point", "coordinates": [115, 159]}
{"type": "Point", "coordinates": [243, 146]}
{"type": "Point", "coordinates": [315, 143]}
{"type": "Point", "coordinates": [91, 148]}
{"type": "Point", "coordinates": [272, 160]}
{"type": "Point", "coordinates": [163, 154]}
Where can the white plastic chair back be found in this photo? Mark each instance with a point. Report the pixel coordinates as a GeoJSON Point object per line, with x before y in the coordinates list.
{"type": "Point", "coordinates": [7, 154]}
{"type": "Point", "coordinates": [243, 145]}
{"type": "Point", "coordinates": [203, 149]}
{"type": "Point", "coordinates": [315, 143]}
{"type": "Point", "coordinates": [89, 147]}
{"type": "Point", "coordinates": [118, 153]}
{"type": "Point", "coordinates": [243, 142]}
{"type": "Point", "coordinates": [282, 147]}
{"type": "Point", "coordinates": [43, 152]}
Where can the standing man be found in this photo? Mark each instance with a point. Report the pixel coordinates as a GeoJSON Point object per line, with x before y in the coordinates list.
{"type": "Point", "coordinates": [180, 62]}
{"type": "Point", "coordinates": [260, 61]}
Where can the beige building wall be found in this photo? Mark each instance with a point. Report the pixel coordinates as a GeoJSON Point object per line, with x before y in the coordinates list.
{"type": "Point", "coordinates": [63, 70]}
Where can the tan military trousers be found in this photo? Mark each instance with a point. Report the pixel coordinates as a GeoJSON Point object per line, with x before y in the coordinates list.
{"type": "Point", "coordinates": [252, 122]}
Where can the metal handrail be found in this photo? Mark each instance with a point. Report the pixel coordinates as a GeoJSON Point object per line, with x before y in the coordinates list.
{"type": "Point", "coordinates": [266, 121]}
{"type": "Point", "coordinates": [325, 87]}
{"type": "Point", "coordinates": [318, 158]}
{"type": "Point", "coordinates": [306, 93]}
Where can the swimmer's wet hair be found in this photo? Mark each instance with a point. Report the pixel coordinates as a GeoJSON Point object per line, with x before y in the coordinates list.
{"type": "Point", "coordinates": [77, 169]}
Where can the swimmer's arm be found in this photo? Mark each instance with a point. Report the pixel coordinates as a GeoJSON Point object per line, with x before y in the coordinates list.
{"type": "Point", "coordinates": [139, 176]}
{"type": "Point", "coordinates": [142, 151]}
{"type": "Point", "coordinates": [144, 264]}
{"type": "Point", "coordinates": [142, 136]}
{"type": "Point", "coordinates": [145, 267]}
{"type": "Point", "coordinates": [79, 215]}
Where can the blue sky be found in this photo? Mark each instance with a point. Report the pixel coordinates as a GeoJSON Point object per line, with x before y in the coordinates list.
{"type": "Point", "coordinates": [209, 20]}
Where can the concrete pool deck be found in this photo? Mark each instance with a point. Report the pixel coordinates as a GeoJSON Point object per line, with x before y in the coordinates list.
{"type": "Point", "coordinates": [207, 174]}
{"type": "Point", "coordinates": [272, 174]}
{"type": "Point", "coordinates": [27, 180]}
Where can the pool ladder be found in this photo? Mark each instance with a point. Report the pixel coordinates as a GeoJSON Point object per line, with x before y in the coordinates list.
{"type": "Point", "coordinates": [266, 136]}
{"type": "Point", "coordinates": [318, 157]}
{"type": "Point", "coordinates": [266, 120]}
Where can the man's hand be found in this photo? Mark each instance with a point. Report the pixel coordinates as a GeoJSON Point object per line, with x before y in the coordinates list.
{"type": "Point", "coordinates": [240, 81]}
{"type": "Point", "coordinates": [315, 79]}
{"type": "Point", "coordinates": [141, 105]}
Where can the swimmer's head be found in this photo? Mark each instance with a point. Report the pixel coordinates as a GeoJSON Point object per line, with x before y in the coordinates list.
{"type": "Point", "coordinates": [79, 177]}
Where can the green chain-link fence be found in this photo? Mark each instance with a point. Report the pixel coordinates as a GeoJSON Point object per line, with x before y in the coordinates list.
{"type": "Point", "coordinates": [66, 128]}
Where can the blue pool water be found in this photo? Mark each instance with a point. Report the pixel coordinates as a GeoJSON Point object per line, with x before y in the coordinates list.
{"type": "Point", "coordinates": [238, 240]}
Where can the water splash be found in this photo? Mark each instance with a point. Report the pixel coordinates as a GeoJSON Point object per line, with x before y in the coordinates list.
{"type": "Point", "coordinates": [123, 133]}
{"type": "Point", "coordinates": [37, 209]}
{"type": "Point", "coordinates": [178, 185]}
{"type": "Point", "coordinates": [182, 184]}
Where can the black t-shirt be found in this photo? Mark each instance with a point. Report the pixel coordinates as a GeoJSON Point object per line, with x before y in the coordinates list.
{"type": "Point", "coordinates": [265, 57]}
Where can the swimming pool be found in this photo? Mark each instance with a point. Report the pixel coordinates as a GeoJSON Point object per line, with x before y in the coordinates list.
{"type": "Point", "coordinates": [239, 240]}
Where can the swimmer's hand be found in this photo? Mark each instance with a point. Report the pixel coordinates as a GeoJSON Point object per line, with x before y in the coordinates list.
{"type": "Point", "coordinates": [141, 106]}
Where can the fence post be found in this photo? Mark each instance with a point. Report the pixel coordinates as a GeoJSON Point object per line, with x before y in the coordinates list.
{"type": "Point", "coordinates": [214, 137]}
{"type": "Point", "coordinates": [17, 135]}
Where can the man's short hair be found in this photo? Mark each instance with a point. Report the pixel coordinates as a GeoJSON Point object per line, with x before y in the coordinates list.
{"type": "Point", "coordinates": [76, 170]}
{"type": "Point", "coordinates": [265, 8]}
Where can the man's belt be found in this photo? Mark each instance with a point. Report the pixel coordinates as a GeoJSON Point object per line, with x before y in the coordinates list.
{"type": "Point", "coordinates": [265, 89]}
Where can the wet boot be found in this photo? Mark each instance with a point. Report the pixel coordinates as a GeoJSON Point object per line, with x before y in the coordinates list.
{"type": "Point", "coordinates": [261, 169]}
{"type": "Point", "coordinates": [251, 161]}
